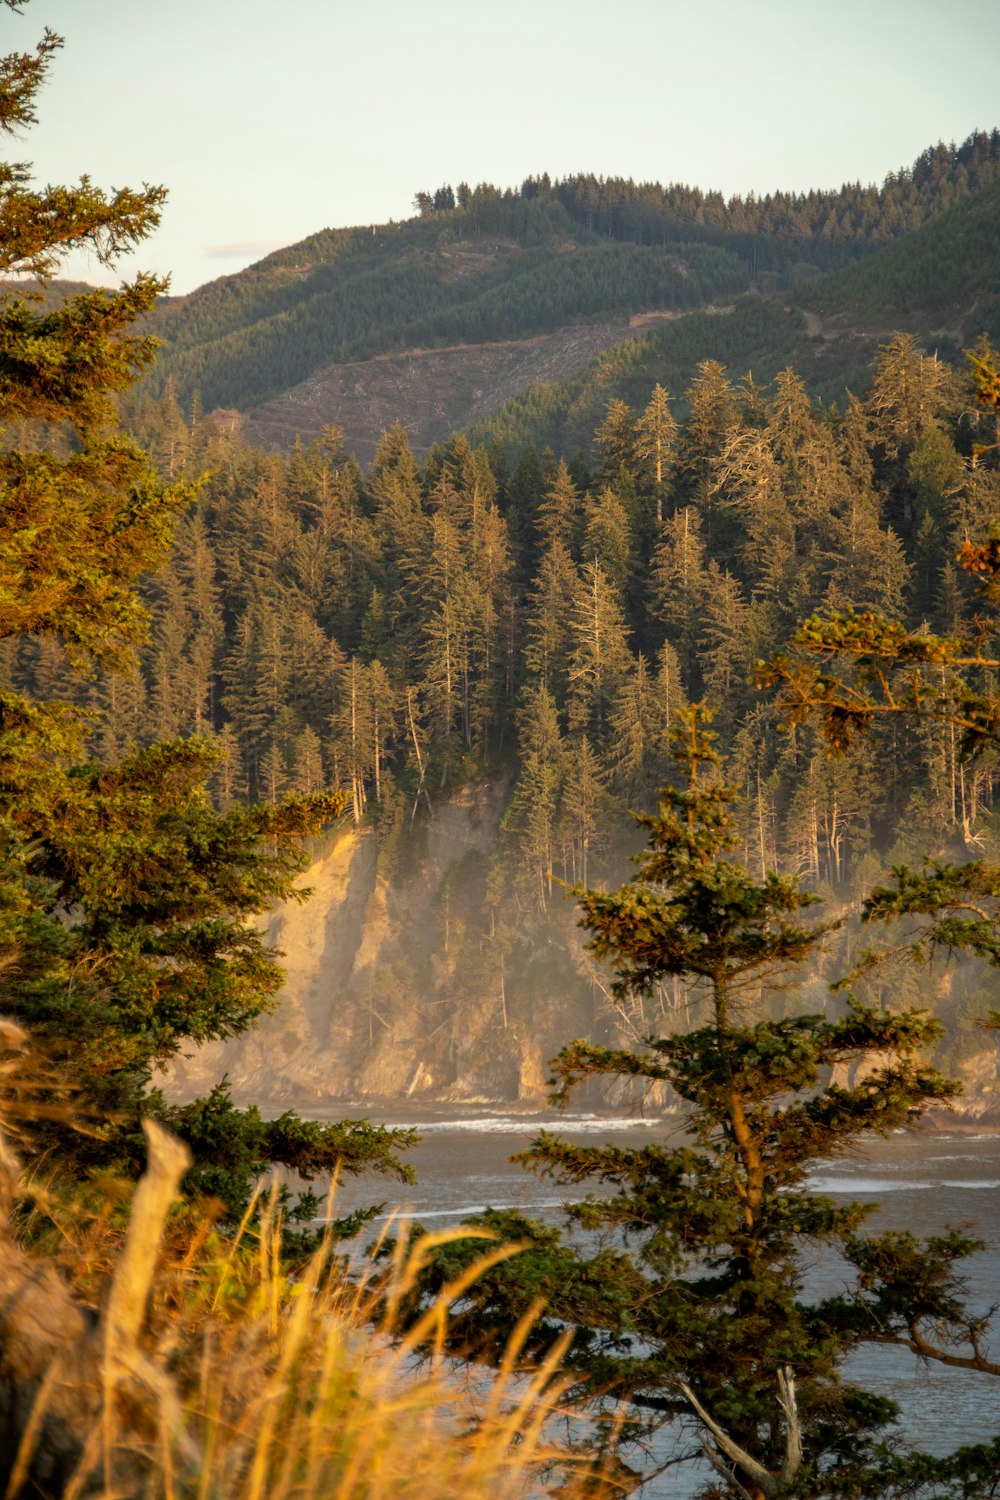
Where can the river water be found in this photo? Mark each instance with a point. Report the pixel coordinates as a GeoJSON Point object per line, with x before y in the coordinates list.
{"type": "Point", "coordinates": [923, 1181]}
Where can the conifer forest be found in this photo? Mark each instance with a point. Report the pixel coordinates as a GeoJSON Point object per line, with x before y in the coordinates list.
{"type": "Point", "coordinates": [633, 744]}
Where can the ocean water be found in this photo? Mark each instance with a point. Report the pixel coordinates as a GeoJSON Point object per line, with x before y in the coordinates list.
{"type": "Point", "coordinates": [924, 1181]}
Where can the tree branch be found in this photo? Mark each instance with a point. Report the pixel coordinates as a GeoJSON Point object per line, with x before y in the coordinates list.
{"type": "Point", "coordinates": [771, 1485]}
{"type": "Point", "coordinates": [926, 1350]}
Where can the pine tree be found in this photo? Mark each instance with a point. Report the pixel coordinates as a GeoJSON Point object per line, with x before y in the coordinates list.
{"type": "Point", "coordinates": [584, 810]}
{"type": "Point", "coordinates": [678, 581]}
{"type": "Point", "coordinates": [616, 440]}
{"type": "Point", "coordinates": [599, 656]}
{"type": "Point", "coordinates": [352, 737]}
{"type": "Point", "coordinates": [748, 483]}
{"type": "Point", "coordinates": [725, 647]}
{"type": "Point", "coordinates": [307, 766]}
{"type": "Point", "coordinates": [228, 781]}
{"type": "Point", "coordinates": [547, 644]}
{"type": "Point", "coordinates": [935, 472]}
{"type": "Point", "coordinates": [790, 422]}
{"type": "Point", "coordinates": [858, 561]}
{"type": "Point", "coordinates": [529, 823]}
{"type": "Point", "coordinates": [698, 1306]}
{"type": "Point", "coordinates": [491, 572]}
{"type": "Point", "coordinates": [606, 539]}
{"type": "Point", "coordinates": [399, 524]}
{"type": "Point", "coordinates": [655, 437]}
{"type": "Point", "coordinates": [910, 395]}
{"type": "Point", "coordinates": [160, 950]}
{"type": "Point", "coordinates": [445, 640]}
{"type": "Point", "coordinates": [383, 701]}
{"type": "Point", "coordinates": [633, 737]}
{"type": "Point", "coordinates": [712, 413]}
{"type": "Point", "coordinates": [524, 492]}
{"type": "Point", "coordinates": [559, 514]}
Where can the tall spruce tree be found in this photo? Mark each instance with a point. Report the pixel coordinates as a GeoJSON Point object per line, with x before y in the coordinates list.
{"type": "Point", "coordinates": [847, 672]}
{"type": "Point", "coordinates": [129, 897]}
{"type": "Point", "coordinates": [697, 1310]}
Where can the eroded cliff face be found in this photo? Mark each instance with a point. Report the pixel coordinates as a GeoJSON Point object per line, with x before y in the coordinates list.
{"type": "Point", "coordinates": [399, 986]}
{"type": "Point", "coordinates": [381, 1000]}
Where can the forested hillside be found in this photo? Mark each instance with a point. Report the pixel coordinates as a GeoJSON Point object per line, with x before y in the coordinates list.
{"type": "Point", "coordinates": [438, 686]}
{"type": "Point", "coordinates": [942, 282]}
{"type": "Point", "coordinates": [535, 628]}
{"type": "Point", "coordinates": [484, 264]}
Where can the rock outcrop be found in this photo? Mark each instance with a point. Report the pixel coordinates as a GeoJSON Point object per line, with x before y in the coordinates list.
{"type": "Point", "coordinates": [397, 990]}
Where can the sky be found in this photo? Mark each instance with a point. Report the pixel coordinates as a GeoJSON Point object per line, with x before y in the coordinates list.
{"type": "Point", "coordinates": [268, 120]}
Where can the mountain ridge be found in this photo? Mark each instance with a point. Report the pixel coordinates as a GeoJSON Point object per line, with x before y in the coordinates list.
{"type": "Point", "coordinates": [490, 267]}
{"type": "Point", "coordinates": [942, 283]}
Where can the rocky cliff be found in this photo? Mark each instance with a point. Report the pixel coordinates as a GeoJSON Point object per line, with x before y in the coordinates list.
{"type": "Point", "coordinates": [399, 986]}
{"type": "Point", "coordinates": [373, 1007]}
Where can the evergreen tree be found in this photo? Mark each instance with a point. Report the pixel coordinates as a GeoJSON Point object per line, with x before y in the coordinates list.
{"type": "Point", "coordinates": [529, 823]}
{"type": "Point", "coordinates": [748, 483]}
{"type": "Point", "coordinates": [123, 715]}
{"type": "Point", "coordinates": [493, 635]}
{"type": "Point", "coordinates": [524, 492]}
{"type": "Point", "coordinates": [699, 1307]}
{"type": "Point", "coordinates": [559, 514]}
{"type": "Point", "coordinates": [307, 772]}
{"type": "Point", "coordinates": [910, 395]}
{"type": "Point", "coordinates": [865, 564]}
{"type": "Point", "coordinates": [616, 440]}
{"type": "Point", "coordinates": [678, 582]}
{"type": "Point", "coordinates": [352, 739]}
{"type": "Point", "coordinates": [606, 539]}
{"type": "Point", "coordinates": [725, 647]}
{"type": "Point", "coordinates": [445, 640]}
{"type": "Point", "coordinates": [712, 413]}
{"type": "Point", "coordinates": [584, 814]}
{"type": "Point", "coordinates": [935, 472]}
{"type": "Point", "coordinates": [599, 656]}
{"type": "Point", "coordinates": [634, 733]}
{"type": "Point", "coordinates": [547, 643]}
{"type": "Point", "coordinates": [160, 950]}
{"type": "Point", "coordinates": [655, 437]}
{"type": "Point", "coordinates": [790, 422]}
{"type": "Point", "coordinates": [398, 521]}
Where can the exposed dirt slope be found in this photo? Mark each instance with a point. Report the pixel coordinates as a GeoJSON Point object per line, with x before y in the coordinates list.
{"type": "Point", "coordinates": [371, 1008]}
{"type": "Point", "coordinates": [395, 989]}
{"type": "Point", "coordinates": [432, 392]}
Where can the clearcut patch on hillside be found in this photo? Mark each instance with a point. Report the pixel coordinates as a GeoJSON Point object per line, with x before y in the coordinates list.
{"type": "Point", "coordinates": [432, 392]}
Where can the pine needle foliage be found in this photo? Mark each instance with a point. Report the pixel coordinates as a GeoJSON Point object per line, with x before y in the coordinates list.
{"type": "Point", "coordinates": [126, 901]}
{"type": "Point", "coordinates": [846, 673]}
{"type": "Point", "coordinates": [693, 1305]}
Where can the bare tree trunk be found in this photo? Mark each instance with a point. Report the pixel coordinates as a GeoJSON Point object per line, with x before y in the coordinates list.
{"type": "Point", "coordinates": [421, 767]}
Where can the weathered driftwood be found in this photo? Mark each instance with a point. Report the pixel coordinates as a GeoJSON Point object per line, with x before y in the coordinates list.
{"type": "Point", "coordinates": [79, 1403]}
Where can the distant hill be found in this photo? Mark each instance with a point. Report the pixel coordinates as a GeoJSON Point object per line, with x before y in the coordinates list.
{"type": "Point", "coordinates": [350, 295]}
{"type": "Point", "coordinates": [537, 281]}
{"type": "Point", "coordinates": [941, 282]}
{"type": "Point", "coordinates": [431, 392]}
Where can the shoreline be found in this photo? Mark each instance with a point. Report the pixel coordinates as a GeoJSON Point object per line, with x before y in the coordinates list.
{"type": "Point", "coordinates": [406, 1112]}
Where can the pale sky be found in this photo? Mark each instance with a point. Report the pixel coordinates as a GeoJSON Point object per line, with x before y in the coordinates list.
{"type": "Point", "coordinates": [268, 121]}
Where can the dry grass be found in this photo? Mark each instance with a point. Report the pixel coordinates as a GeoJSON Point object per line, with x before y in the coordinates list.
{"type": "Point", "coordinates": [309, 1389]}
{"type": "Point", "coordinates": [169, 1363]}
{"type": "Point", "coordinates": [260, 1386]}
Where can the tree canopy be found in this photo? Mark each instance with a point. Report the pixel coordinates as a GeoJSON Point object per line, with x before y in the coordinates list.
{"type": "Point", "coordinates": [695, 1304]}
{"type": "Point", "coordinates": [126, 898]}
